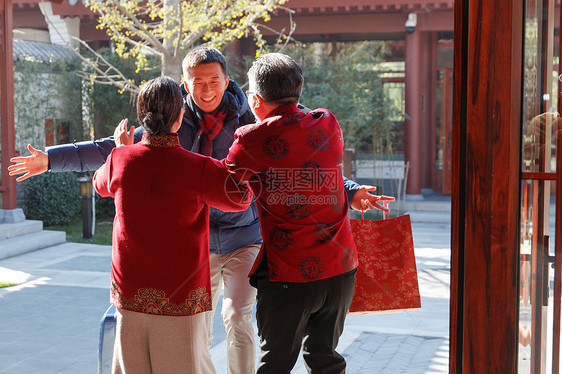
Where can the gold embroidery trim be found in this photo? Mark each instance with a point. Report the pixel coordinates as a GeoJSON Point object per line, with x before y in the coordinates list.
{"type": "Point", "coordinates": [153, 301]}
{"type": "Point", "coordinates": [168, 140]}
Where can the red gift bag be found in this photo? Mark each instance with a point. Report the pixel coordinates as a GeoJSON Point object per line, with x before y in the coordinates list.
{"type": "Point", "coordinates": [387, 279]}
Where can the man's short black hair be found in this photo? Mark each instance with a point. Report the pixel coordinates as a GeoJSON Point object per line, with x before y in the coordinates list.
{"type": "Point", "coordinates": [202, 55]}
{"type": "Point", "coordinates": [277, 77]}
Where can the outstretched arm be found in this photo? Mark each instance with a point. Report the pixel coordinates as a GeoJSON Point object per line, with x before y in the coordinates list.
{"type": "Point", "coordinates": [221, 190]}
{"type": "Point", "coordinates": [29, 166]}
{"type": "Point", "coordinates": [81, 156]}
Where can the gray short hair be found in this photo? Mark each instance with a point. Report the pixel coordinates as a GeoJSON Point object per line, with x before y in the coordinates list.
{"type": "Point", "coordinates": [277, 77]}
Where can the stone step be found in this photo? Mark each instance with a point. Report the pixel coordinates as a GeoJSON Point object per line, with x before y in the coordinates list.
{"type": "Point", "coordinates": [30, 242]}
{"type": "Point", "coordinates": [11, 230]}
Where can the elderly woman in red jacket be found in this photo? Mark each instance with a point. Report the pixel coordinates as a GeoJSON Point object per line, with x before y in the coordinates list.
{"type": "Point", "coordinates": [160, 279]}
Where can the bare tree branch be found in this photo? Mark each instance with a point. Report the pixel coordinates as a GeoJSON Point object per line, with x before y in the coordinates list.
{"type": "Point", "coordinates": [116, 79]}
{"type": "Point", "coordinates": [133, 34]}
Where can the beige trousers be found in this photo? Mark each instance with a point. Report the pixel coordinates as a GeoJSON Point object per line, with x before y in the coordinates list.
{"type": "Point", "coordinates": [152, 344]}
{"type": "Point", "coordinates": [231, 271]}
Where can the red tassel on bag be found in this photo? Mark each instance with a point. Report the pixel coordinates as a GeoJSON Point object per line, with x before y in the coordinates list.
{"type": "Point", "coordinates": [387, 279]}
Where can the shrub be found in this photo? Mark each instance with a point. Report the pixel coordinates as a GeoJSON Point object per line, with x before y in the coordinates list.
{"type": "Point", "coordinates": [53, 198]}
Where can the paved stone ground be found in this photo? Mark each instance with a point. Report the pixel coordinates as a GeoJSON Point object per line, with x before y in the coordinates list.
{"type": "Point", "coordinates": [396, 353]}
{"type": "Point", "coordinates": [50, 322]}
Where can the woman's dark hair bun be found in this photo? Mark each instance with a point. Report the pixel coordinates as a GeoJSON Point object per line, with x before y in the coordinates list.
{"type": "Point", "coordinates": [153, 120]}
{"type": "Point", "coordinates": [159, 105]}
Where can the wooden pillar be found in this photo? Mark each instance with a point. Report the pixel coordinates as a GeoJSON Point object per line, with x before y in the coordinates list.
{"type": "Point", "coordinates": [485, 186]}
{"type": "Point", "coordinates": [7, 133]}
{"type": "Point", "coordinates": [427, 107]}
{"type": "Point", "coordinates": [413, 146]}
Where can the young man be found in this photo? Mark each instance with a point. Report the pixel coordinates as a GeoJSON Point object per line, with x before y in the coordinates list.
{"type": "Point", "coordinates": [215, 108]}
{"type": "Point", "coordinates": [305, 272]}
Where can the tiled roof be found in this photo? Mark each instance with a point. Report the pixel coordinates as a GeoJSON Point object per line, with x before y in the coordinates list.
{"type": "Point", "coordinates": [40, 51]}
{"type": "Point", "coordinates": [354, 6]}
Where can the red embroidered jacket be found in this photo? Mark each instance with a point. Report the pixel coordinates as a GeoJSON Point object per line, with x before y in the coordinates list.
{"type": "Point", "coordinates": [160, 258]}
{"type": "Point", "coordinates": [294, 163]}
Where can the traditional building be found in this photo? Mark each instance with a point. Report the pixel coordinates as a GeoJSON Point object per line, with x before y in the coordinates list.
{"type": "Point", "coordinates": [421, 32]}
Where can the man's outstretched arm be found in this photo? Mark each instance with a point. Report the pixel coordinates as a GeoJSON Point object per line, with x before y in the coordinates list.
{"type": "Point", "coordinates": [81, 156]}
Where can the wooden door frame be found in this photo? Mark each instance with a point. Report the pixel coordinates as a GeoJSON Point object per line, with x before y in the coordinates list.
{"type": "Point", "coordinates": [447, 154]}
{"type": "Point", "coordinates": [485, 186]}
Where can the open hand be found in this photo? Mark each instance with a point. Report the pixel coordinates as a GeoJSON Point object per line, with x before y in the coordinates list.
{"type": "Point", "coordinates": [29, 166]}
{"type": "Point", "coordinates": [121, 136]}
{"type": "Point", "coordinates": [363, 200]}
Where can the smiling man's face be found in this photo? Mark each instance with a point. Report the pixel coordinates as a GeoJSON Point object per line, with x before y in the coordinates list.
{"type": "Point", "coordinates": [206, 83]}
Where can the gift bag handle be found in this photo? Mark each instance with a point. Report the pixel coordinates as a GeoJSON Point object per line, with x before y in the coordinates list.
{"type": "Point", "coordinates": [385, 214]}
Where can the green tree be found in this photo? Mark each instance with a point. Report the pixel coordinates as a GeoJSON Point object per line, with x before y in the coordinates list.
{"type": "Point", "coordinates": [109, 105]}
{"type": "Point", "coordinates": [168, 29]}
{"type": "Point", "coordinates": [348, 84]}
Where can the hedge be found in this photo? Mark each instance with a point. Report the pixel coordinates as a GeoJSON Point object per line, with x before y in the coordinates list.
{"type": "Point", "coordinates": [53, 198]}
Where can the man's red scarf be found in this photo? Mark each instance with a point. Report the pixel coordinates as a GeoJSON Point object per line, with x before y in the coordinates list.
{"type": "Point", "coordinates": [210, 126]}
